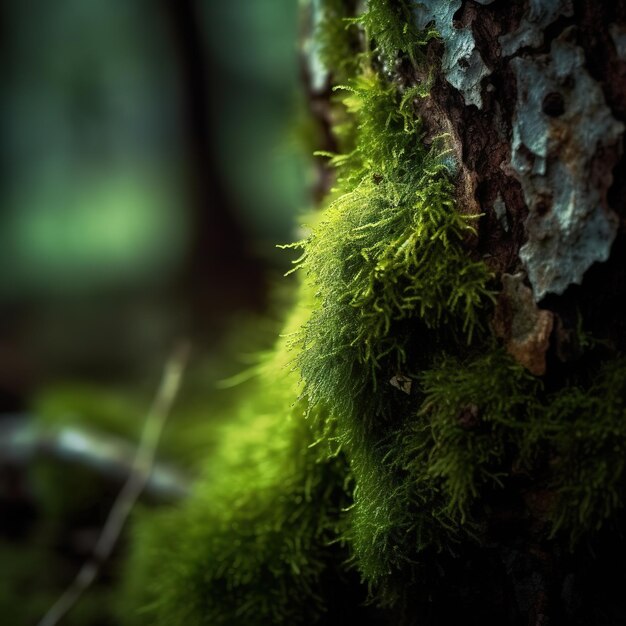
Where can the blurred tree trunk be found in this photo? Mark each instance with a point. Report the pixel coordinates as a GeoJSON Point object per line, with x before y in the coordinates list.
{"type": "Point", "coordinates": [222, 274]}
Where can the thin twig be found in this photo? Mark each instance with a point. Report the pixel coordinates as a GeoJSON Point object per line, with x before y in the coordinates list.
{"type": "Point", "coordinates": [130, 492]}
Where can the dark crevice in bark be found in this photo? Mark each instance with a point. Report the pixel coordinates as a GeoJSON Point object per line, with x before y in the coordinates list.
{"type": "Point", "coordinates": [603, 63]}
{"type": "Point", "coordinates": [604, 284]}
{"type": "Point", "coordinates": [605, 66]}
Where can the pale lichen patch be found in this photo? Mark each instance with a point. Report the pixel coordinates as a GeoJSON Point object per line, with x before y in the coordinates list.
{"type": "Point", "coordinates": [565, 144]}
{"type": "Point", "coordinates": [461, 63]}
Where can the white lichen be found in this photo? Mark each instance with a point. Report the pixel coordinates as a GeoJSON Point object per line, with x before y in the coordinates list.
{"type": "Point", "coordinates": [565, 142]}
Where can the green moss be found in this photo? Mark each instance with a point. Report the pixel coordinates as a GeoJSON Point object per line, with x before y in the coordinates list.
{"type": "Point", "coordinates": [484, 420]}
{"type": "Point", "coordinates": [474, 411]}
{"type": "Point", "coordinates": [253, 543]}
{"type": "Point", "coordinates": [426, 489]}
{"type": "Point", "coordinates": [414, 487]}
{"type": "Point", "coordinates": [390, 276]}
{"type": "Point", "coordinates": [390, 25]}
{"type": "Point", "coordinates": [387, 251]}
{"type": "Point", "coordinates": [319, 463]}
{"type": "Point", "coordinates": [391, 281]}
{"type": "Point", "coordinates": [399, 523]}
{"type": "Point", "coordinates": [585, 426]}
{"type": "Point", "coordinates": [336, 39]}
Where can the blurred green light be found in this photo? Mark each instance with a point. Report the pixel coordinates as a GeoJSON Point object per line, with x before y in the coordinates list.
{"type": "Point", "coordinates": [109, 229]}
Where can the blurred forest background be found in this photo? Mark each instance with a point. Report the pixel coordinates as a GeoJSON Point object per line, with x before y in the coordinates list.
{"type": "Point", "coordinates": [153, 154]}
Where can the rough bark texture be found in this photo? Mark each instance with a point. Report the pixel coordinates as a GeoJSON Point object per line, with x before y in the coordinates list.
{"type": "Point", "coordinates": [533, 95]}
{"type": "Point", "coordinates": [543, 154]}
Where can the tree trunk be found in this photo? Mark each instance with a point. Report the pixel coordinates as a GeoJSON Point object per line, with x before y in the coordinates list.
{"type": "Point", "coordinates": [457, 349]}
{"type": "Point", "coordinates": [531, 96]}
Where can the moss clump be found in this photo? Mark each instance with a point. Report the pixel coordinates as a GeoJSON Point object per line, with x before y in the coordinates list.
{"type": "Point", "coordinates": [392, 280]}
{"type": "Point", "coordinates": [474, 411]}
{"type": "Point", "coordinates": [390, 25]}
{"type": "Point", "coordinates": [336, 39]}
{"type": "Point", "coordinates": [399, 524]}
{"type": "Point", "coordinates": [486, 420]}
{"type": "Point", "coordinates": [254, 542]}
{"type": "Point", "coordinates": [482, 427]}
{"type": "Point", "coordinates": [585, 427]}
{"type": "Point", "coordinates": [414, 488]}
{"type": "Point", "coordinates": [388, 249]}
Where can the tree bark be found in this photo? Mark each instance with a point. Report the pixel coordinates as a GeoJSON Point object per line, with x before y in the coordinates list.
{"type": "Point", "coordinates": [532, 96]}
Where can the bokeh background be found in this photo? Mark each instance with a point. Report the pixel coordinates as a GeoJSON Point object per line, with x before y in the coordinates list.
{"type": "Point", "coordinates": [153, 154]}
